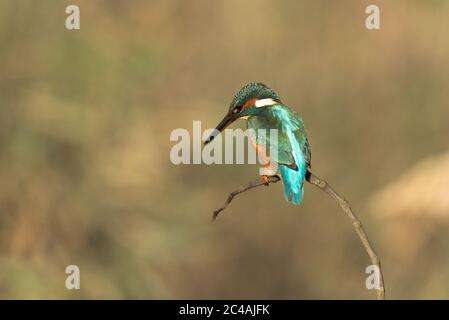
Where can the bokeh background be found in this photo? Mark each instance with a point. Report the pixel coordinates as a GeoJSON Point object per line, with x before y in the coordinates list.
{"type": "Point", "coordinates": [85, 174]}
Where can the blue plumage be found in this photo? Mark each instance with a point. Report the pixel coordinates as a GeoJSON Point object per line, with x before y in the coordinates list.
{"type": "Point", "coordinates": [293, 180]}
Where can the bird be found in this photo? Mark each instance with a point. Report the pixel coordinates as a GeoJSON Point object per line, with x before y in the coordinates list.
{"type": "Point", "coordinates": [262, 108]}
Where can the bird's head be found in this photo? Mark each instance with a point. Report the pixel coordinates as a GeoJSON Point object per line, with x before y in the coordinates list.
{"type": "Point", "coordinates": [249, 101]}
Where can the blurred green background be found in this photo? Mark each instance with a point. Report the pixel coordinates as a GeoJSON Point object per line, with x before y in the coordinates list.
{"type": "Point", "coordinates": [85, 174]}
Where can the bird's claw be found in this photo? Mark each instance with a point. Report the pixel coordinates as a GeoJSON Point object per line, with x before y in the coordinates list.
{"type": "Point", "coordinates": [266, 179]}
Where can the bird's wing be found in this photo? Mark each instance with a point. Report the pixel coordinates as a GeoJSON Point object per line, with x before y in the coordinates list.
{"type": "Point", "coordinates": [285, 156]}
{"type": "Point", "coordinates": [265, 142]}
{"type": "Point", "coordinates": [289, 126]}
{"type": "Point", "coordinates": [292, 128]}
{"type": "Point", "coordinates": [300, 134]}
{"type": "Point", "coordinates": [307, 153]}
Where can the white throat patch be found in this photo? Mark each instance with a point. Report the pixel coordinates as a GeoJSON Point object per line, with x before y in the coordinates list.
{"type": "Point", "coordinates": [264, 103]}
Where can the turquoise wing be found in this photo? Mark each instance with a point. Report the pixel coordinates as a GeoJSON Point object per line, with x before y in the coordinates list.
{"type": "Point", "coordinates": [284, 154]}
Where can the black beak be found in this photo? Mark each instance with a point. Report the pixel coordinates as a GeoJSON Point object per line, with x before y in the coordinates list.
{"type": "Point", "coordinates": [227, 120]}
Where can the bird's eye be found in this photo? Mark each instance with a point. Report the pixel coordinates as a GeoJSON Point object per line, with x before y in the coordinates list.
{"type": "Point", "coordinates": [237, 109]}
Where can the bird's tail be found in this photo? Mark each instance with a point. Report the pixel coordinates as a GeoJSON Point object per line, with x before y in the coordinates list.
{"type": "Point", "coordinates": [293, 181]}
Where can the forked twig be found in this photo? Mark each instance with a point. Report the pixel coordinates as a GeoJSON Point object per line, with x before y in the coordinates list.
{"type": "Point", "coordinates": [343, 204]}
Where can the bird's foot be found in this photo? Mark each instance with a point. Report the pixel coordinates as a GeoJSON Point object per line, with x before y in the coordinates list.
{"type": "Point", "coordinates": [266, 179]}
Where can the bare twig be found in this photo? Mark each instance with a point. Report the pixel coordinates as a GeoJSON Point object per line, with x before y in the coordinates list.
{"type": "Point", "coordinates": [251, 185]}
{"type": "Point", "coordinates": [343, 204]}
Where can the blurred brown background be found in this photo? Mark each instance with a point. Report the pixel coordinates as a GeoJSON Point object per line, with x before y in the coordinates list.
{"type": "Point", "coordinates": [85, 176]}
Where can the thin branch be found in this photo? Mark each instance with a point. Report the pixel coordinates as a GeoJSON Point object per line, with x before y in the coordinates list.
{"type": "Point", "coordinates": [358, 227]}
{"type": "Point", "coordinates": [251, 185]}
{"type": "Point", "coordinates": [343, 204]}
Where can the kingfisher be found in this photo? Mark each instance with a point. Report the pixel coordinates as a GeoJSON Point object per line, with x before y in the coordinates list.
{"type": "Point", "coordinates": [262, 108]}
